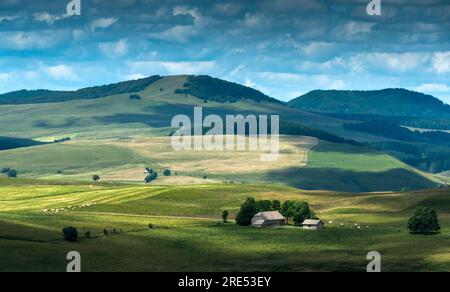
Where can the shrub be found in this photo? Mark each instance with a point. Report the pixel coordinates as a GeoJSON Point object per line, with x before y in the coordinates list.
{"type": "Point", "coordinates": [424, 221]}
{"type": "Point", "coordinates": [151, 177]}
{"type": "Point", "coordinates": [70, 234]}
{"type": "Point", "coordinates": [4, 170]}
{"type": "Point", "coordinates": [12, 173]}
{"type": "Point", "coordinates": [151, 226]}
{"type": "Point", "coordinates": [95, 178]}
{"type": "Point", "coordinates": [88, 234]}
{"type": "Point", "coordinates": [135, 97]}
{"type": "Point", "coordinates": [167, 172]}
{"type": "Point", "coordinates": [247, 212]}
{"type": "Point", "coordinates": [225, 215]}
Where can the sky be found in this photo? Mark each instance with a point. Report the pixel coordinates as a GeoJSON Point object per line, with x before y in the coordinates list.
{"type": "Point", "coordinates": [285, 48]}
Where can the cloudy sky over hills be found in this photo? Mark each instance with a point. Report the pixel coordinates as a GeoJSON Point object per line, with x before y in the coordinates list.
{"type": "Point", "coordinates": [283, 47]}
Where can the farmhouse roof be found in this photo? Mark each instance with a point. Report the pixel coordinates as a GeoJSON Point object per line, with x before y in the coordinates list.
{"type": "Point", "coordinates": [312, 222]}
{"type": "Point", "coordinates": [273, 215]}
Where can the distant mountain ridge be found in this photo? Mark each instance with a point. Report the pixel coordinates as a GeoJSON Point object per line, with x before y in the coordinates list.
{"type": "Point", "coordinates": [386, 102]}
{"type": "Point", "coordinates": [203, 87]}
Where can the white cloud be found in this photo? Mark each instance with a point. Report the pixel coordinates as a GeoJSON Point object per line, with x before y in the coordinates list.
{"type": "Point", "coordinates": [22, 40]}
{"type": "Point", "coordinates": [102, 23]}
{"type": "Point", "coordinates": [62, 72]}
{"type": "Point", "coordinates": [178, 33]}
{"type": "Point", "coordinates": [256, 20]}
{"type": "Point", "coordinates": [318, 48]}
{"type": "Point", "coordinates": [433, 88]}
{"type": "Point", "coordinates": [47, 17]}
{"type": "Point", "coordinates": [134, 76]}
{"type": "Point", "coordinates": [171, 68]}
{"type": "Point", "coordinates": [354, 28]}
{"type": "Point", "coordinates": [114, 49]}
{"type": "Point", "coordinates": [4, 77]}
{"type": "Point", "coordinates": [249, 83]}
{"type": "Point", "coordinates": [9, 18]}
{"type": "Point", "coordinates": [441, 62]}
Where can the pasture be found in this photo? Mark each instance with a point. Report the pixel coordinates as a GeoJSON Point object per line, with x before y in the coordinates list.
{"type": "Point", "coordinates": [303, 163]}
{"type": "Point", "coordinates": [188, 234]}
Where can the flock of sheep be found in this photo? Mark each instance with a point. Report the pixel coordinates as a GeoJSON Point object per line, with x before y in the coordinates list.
{"type": "Point", "coordinates": [342, 225]}
{"type": "Point", "coordinates": [84, 205]}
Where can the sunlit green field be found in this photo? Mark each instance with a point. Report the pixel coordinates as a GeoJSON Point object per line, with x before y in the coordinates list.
{"type": "Point", "coordinates": [303, 163]}
{"type": "Point", "coordinates": [189, 235]}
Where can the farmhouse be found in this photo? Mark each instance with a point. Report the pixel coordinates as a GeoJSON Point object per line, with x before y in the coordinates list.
{"type": "Point", "coordinates": [313, 224]}
{"type": "Point", "coordinates": [268, 219]}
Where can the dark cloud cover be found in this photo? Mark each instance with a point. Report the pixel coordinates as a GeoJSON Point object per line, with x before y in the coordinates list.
{"type": "Point", "coordinates": [282, 47]}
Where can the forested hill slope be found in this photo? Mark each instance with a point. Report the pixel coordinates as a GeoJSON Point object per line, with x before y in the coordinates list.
{"type": "Point", "coordinates": [387, 102]}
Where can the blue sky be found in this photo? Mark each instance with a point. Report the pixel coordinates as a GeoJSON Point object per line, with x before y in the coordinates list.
{"type": "Point", "coordinates": [284, 48]}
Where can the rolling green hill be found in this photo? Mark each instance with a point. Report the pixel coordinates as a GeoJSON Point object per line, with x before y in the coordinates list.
{"type": "Point", "coordinates": [48, 96]}
{"type": "Point", "coordinates": [387, 102]}
{"type": "Point", "coordinates": [105, 135]}
{"type": "Point", "coordinates": [379, 119]}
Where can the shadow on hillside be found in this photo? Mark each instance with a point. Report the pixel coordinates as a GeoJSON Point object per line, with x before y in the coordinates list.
{"type": "Point", "coordinates": [230, 249]}
{"type": "Point", "coordinates": [350, 181]}
{"type": "Point", "coordinates": [161, 116]}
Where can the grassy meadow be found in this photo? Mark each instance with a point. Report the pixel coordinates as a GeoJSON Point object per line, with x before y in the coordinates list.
{"type": "Point", "coordinates": [188, 234]}
{"type": "Point", "coordinates": [116, 138]}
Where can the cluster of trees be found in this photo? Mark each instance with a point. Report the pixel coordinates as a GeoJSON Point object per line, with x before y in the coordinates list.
{"type": "Point", "coordinates": [9, 172]}
{"type": "Point", "coordinates": [61, 140]}
{"type": "Point", "coordinates": [291, 128]}
{"type": "Point", "coordinates": [298, 211]}
{"type": "Point", "coordinates": [391, 130]}
{"type": "Point", "coordinates": [434, 158]}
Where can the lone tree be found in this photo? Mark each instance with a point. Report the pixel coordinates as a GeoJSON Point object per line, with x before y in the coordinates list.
{"type": "Point", "coordinates": [70, 234]}
{"type": "Point", "coordinates": [247, 212]}
{"type": "Point", "coordinates": [151, 177]}
{"type": "Point", "coordinates": [424, 221]}
{"type": "Point", "coordinates": [12, 173]}
{"type": "Point", "coordinates": [95, 178]}
{"type": "Point", "coordinates": [225, 215]}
